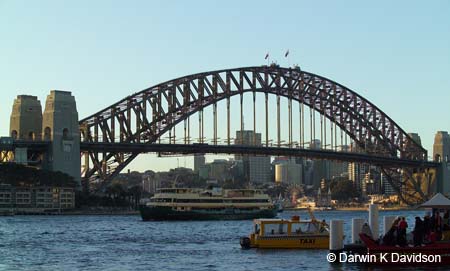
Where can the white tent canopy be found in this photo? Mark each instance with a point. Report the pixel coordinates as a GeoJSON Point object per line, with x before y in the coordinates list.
{"type": "Point", "coordinates": [438, 201]}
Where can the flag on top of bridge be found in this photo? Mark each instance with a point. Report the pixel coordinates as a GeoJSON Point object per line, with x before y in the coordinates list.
{"type": "Point", "coordinates": [287, 53]}
{"type": "Point", "coordinates": [267, 56]}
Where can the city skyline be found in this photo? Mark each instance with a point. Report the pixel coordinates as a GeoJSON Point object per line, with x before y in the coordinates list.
{"type": "Point", "coordinates": [189, 135]}
{"type": "Point", "coordinates": [398, 63]}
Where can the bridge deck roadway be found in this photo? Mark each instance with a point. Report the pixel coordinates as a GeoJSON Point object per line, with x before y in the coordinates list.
{"type": "Point", "coordinates": [252, 150]}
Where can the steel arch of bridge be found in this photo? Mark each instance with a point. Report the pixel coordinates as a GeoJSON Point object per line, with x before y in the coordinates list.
{"type": "Point", "coordinates": [144, 116]}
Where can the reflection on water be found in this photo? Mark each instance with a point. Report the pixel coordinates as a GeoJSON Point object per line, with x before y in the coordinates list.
{"type": "Point", "coordinates": [127, 243]}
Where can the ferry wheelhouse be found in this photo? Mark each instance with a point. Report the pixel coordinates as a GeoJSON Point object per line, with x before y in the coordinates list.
{"type": "Point", "coordinates": [211, 204]}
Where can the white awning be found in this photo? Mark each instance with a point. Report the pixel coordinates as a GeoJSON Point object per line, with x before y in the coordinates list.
{"type": "Point", "coordinates": [438, 201]}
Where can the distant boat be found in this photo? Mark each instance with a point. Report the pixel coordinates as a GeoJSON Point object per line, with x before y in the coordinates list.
{"type": "Point", "coordinates": [212, 204]}
{"type": "Point", "coordinates": [279, 207]}
{"type": "Point", "coordinates": [279, 204]}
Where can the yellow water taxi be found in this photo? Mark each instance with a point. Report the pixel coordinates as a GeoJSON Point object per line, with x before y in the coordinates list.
{"type": "Point", "coordinates": [288, 233]}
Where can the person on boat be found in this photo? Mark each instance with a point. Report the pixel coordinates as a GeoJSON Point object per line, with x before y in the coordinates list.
{"type": "Point", "coordinates": [446, 221]}
{"type": "Point", "coordinates": [395, 231]}
{"type": "Point", "coordinates": [427, 223]}
{"type": "Point", "coordinates": [432, 220]}
{"type": "Point", "coordinates": [401, 233]}
{"type": "Point", "coordinates": [366, 230]}
{"type": "Point", "coordinates": [418, 232]}
{"type": "Point", "coordinates": [437, 225]}
{"type": "Point", "coordinates": [323, 226]}
{"type": "Point", "coordinates": [426, 226]}
{"type": "Point", "coordinates": [395, 223]}
{"type": "Point", "coordinates": [432, 237]}
{"type": "Point", "coordinates": [389, 239]}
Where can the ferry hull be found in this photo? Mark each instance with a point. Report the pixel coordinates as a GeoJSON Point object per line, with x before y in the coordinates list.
{"type": "Point", "coordinates": [167, 213]}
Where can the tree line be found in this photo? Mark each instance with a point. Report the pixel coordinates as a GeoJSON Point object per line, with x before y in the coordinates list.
{"type": "Point", "coordinates": [21, 175]}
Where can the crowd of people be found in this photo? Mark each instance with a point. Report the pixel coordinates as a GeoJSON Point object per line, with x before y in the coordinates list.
{"type": "Point", "coordinates": [426, 230]}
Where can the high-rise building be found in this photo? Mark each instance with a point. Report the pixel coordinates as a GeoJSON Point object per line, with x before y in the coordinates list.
{"type": "Point", "coordinates": [288, 171]}
{"type": "Point", "coordinates": [409, 145]}
{"type": "Point", "coordinates": [322, 199]}
{"type": "Point", "coordinates": [308, 172]}
{"type": "Point", "coordinates": [150, 183]}
{"type": "Point", "coordinates": [256, 168]}
{"type": "Point", "coordinates": [259, 169]}
{"type": "Point", "coordinates": [199, 160]}
{"type": "Point", "coordinates": [356, 174]}
{"type": "Point", "coordinates": [372, 181]}
{"type": "Point", "coordinates": [320, 168]}
{"type": "Point", "coordinates": [247, 137]}
{"type": "Point", "coordinates": [315, 144]}
{"type": "Point", "coordinates": [339, 168]}
{"type": "Point", "coordinates": [219, 169]}
{"type": "Point", "coordinates": [416, 138]}
{"type": "Point", "coordinates": [203, 171]}
{"type": "Point", "coordinates": [386, 186]}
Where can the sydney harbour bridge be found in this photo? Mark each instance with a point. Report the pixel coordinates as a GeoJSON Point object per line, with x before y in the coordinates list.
{"type": "Point", "coordinates": [289, 107]}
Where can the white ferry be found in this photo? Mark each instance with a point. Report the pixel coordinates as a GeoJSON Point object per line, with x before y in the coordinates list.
{"type": "Point", "coordinates": [211, 204]}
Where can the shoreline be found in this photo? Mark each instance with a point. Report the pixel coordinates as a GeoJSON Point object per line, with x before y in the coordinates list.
{"type": "Point", "coordinates": [398, 208]}
{"type": "Point", "coordinates": [78, 212]}
{"type": "Point", "coordinates": [74, 212]}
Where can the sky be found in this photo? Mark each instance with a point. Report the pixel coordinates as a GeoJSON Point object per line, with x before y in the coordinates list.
{"type": "Point", "coordinates": [396, 54]}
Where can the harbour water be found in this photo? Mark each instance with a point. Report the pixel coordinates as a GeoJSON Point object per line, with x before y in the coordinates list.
{"type": "Point", "coordinates": [127, 243]}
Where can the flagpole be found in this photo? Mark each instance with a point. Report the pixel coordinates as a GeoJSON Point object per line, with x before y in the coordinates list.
{"type": "Point", "coordinates": [287, 56]}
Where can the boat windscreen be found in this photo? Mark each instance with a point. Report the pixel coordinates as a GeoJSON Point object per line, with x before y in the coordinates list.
{"type": "Point", "coordinates": [302, 227]}
{"type": "Point", "coordinates": [275, 228]}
